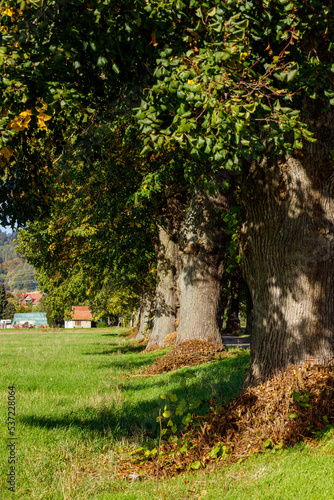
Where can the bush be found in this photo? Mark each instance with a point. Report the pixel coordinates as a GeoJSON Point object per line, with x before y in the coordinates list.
{"type": "Point", "coordinates": [101, 324]}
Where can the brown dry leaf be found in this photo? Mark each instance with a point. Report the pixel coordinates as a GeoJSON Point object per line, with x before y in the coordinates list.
{"type": "Point", "coordinates": [188, 353]}
{"type": "Point", "coordinates": [258, 420]}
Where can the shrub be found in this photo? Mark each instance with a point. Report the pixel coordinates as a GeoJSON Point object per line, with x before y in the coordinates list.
{"type": "Point", "coordinates": [101, 324]}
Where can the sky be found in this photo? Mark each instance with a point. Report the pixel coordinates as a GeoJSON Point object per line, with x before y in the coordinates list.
{"type": "Point", "coordinates": [7, 229]}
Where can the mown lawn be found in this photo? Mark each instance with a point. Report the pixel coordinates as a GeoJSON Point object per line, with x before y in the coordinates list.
{"type": "Point", "coordinates": [80, 399]}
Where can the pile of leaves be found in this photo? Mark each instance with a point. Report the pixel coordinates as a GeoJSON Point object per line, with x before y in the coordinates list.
{"type": "Point", "coordinates": [187, 353]}
{"type": "Point", "coordinates": [132, 333]}
{"type": "Point", "coordinates": [154, 347]}
{"type": "Point", "coordinates": [292, 406]}
{"type": "Point", "coordinates": [170, 339]}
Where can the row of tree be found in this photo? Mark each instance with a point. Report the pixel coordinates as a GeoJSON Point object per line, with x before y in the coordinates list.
{"type": "Point", "coordinates": [15, 273]}
{"type": "Point", "coordinates": [175, 139]}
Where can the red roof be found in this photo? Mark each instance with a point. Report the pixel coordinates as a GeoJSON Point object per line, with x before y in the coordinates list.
{"type": "Point", "coordinates": [81, 313]}
{"type": "Point", "coordinates": [30, 297]}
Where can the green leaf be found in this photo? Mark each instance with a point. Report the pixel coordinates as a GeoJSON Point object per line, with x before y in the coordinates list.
{"type": "Point", "coordinates": [116, 69]}
{"type": "Point", "coordinates": [267, 444]}
{"type": "Point", "coordinates": [236, 36]}
{"type": "Point", "coordinates": [196, 404]}
{"type": "Point", "coordinates": [293, 72]}
{"type": "Point", "coordinates": [186, 419]}
{"type": "Point", "coordinates": [196, 465]}
{"type": "Point", "coordinates": [184, 448]}
{"type": "Point", "coordinates": [102, 61]}
{"type": "Point", "coordinates": [145, 150]}
{"type": "Point", "coordinates": [242, 24]}
{"type": "Point", "coordinates": [179, 410]}
{"type": "Point", "coordinates": [280, 76]}
{"type": "Point", "coordinates": [296, 396]}
{"type": "Point", "coordinates": [250, 107]}
{"type": "Point", "coordinates": [173, 397]}
{"type": "Point", "coordinates": [293, 415]}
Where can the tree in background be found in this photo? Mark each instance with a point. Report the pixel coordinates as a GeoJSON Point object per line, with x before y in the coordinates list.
{"type": "Point", "coordinates": [237, 86]}
{"type": "Point", "coordinates": [3, 301]}
{"type": "Point", "coordinates": [10, 309]}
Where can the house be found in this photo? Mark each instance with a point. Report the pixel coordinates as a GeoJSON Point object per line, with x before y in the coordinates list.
{"type": "Point", "coordinates": [29, 320]}
{"type": "Point", "coordinates": [5, 323]}
{"type": "Point", "coordinates": [81, 317]}
{"type": "Point", "coordinates": [33, 298]}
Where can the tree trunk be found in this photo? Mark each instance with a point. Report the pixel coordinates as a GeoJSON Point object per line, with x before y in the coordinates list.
{"type": "Point", "coordinates": [166, 300]}
{"type": "Point", "coordinates": [249, 311]}
{"type": "Point", "coordinates": [233, 322]}
{"type": "Point", "coordinates": [288, 260]}
{"type": "Point", "coordinates": [203, 247]}
{"type": "Point", "coordinates": [146, 313]}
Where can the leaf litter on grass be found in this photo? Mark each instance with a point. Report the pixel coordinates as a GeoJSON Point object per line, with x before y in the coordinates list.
{"type": "Point", "coordinates": [294, 405]}
{"type": "Point", "coordinates": [187, 353]}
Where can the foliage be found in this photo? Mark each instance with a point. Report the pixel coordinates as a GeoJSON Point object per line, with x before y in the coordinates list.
{"type": "Point", "coordinates": [240, 81]}
{"type": "Point", "coordinates": [3, 302]}
{"type": "Point", "coordinates": [219, 80]}
{"type": "Point", "coordinates": [96, 245]}
{"type": "Point", "coordinates": [15, 273]}
{"type": "Point", "coordinates": [101, 324]}
{"type": "Point", "coordinates": [10, 309]}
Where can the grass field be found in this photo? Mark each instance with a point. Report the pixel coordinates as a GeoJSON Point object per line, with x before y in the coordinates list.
{"type": "Point", "coordinates": [79, 400]}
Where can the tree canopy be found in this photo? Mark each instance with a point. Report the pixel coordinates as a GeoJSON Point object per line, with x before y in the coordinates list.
{"type": "Point", "coordinates": [234, 96]}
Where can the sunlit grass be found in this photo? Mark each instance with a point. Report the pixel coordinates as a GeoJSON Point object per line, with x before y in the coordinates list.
{"type": "Point", "coordinates": [80, 398]}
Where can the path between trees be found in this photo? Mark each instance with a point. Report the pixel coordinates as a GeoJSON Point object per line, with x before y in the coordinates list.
{"type": "Point", "coordinates": [232, 341]}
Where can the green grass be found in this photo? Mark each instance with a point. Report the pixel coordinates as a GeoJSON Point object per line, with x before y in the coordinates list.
{"type": "Point", "coordinates": [79, 399]}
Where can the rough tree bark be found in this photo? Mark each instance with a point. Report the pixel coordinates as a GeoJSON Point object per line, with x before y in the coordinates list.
{"type": "Point", "coordinates": [288, 258]}
{"type": "Point", "coordinates": [166, 299]}
{"type": "Point", "coordinates": [146, 313]}
{"type": "Point", "coordinates": [203, 247]}
{"type": "Point", "coordinates": [249, 311]}
{"type": "Point", "coordinates": [233, 322]}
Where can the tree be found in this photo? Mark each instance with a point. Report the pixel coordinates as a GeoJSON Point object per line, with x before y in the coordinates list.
{"type": "Point", "coordinates": [254, 93]}
{"type": "Point", "coordinates": [10, 310]}
{"type": "Point", "coordinates": [3, 301]}
{"type": "Point", "coordinates": [239, 86]}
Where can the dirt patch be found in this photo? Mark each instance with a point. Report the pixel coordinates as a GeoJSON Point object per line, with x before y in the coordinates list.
{"type": "Point", "coordinates": [290, 407]}
{"type": "Point", "coordinates": [188, 353]}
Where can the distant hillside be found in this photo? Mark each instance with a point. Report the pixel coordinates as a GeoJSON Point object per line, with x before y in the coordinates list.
{"type": "Point", "coordinates": [15, 273]}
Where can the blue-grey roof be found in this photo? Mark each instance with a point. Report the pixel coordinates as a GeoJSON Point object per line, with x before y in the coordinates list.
{"type": "Point", "coordinates": [39, 318]}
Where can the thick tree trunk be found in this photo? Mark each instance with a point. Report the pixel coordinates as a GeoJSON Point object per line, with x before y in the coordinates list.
{"type": "Point", "coordinates": [288, 260]}
{"type": "Point", "coordinates": [146, 314]}
{"type": "Point", "coordinates": [166, 299]}
{"type": "Point", "coordinates": [249, 311]}
{"type": "Point", "coordinates": [203, 246]}
{"type": "Point", "coordinates": [233, 322]}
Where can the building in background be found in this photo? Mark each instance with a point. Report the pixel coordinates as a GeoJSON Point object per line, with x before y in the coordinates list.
{"type": "Point", "coordinates": [32, 298]}
{"type": "Point", "coordinates": [81, 317]}
{"type": "Point", "coordinates": [30, 320]}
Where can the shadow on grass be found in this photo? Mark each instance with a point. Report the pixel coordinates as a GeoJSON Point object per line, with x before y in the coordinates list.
{"type": "Point", "coordinates": [137, 415]}
{"type": "Point", "coordinates": [118, 350]}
